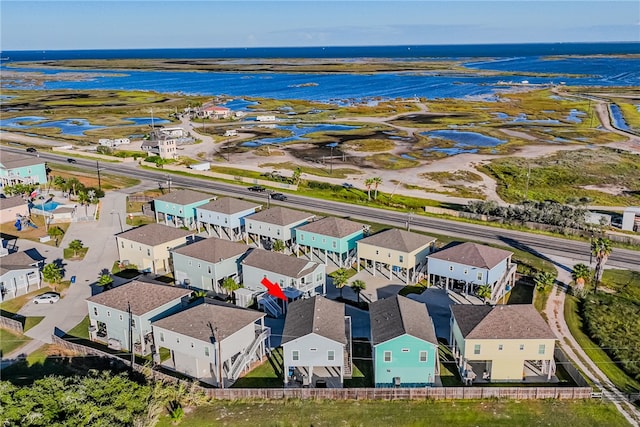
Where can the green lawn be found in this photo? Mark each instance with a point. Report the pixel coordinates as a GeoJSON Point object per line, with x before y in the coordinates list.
{"type": "Point", "coordinates": [69, 254]}
{"type": "Point", "coordinates": [418, 288]}
{"type": "Point", "coordinates": [81, 330]}
{"type": "Point", "coordinates": [294, 412]}
{"type": "Point", "coordinates": [30, 322]}
{"type": "Point", "coordinates": [9, 341]}
{"type": "Point", "coordinates": [595, 353]}
{"type": "Point", "coordinates": [363, 374]}
{"type": "Point", "coordinates": [267, 375]}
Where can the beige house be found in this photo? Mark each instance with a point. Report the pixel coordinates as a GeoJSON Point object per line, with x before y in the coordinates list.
{"type": "Point", "coordinates": [505, 343]}
{"type": "Point", "coordinates": [11, 208]}
{"type": "Point", "coordinates": [148, 246]}
{"type": "Point", "coordinates": [396, 252]}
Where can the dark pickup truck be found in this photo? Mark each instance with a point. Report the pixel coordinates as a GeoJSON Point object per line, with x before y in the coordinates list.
{"type": "Point", "coordinates": [278, 196]}
{"type": "Point", "coordinates": [257, 188]}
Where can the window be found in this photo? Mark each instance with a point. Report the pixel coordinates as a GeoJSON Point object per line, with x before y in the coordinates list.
{"type": "Point", "coordinates": [177, 340]}
{"type": "Point", "coordinates": [377, 252]}
{"type": "Point", "coordinates": [387, 356]}
{"type": "Point", "coordinates": [466, 271]}
{"type": "Point", "coordinates": [405, 350]}
{"type": "Point", "coordinates": [476, 349]}
{"type": "Point", "coordinates": [500, 347]}
{"type": "Point", "coordinates": [122, 245]}
{"type": "Point", "coordinates": [451, 268]}
{"type": "Point", "coordinates": [401, 258]}
{"type": "Point", "coordinates": [295, 355]}
{"type": "Point", "coordinates": [313, 349]}
{"type": "Point", "coordinates": [161, 337]}
{"type": "Point", "coordinates": [95, 311]}
{"type": "Point", "coordinates": [334, 244]}
{"type": "Point", "coordinates": [206, 351]}
{"type": "Point", "coordinates": [542, 349]}
{"type": "Point", "coordinates": [278, 232]}
{"type": "Point", "coordinates": [148, 252]}
{"type": "Point", "coordinates": [198, 265]}
{"type": "Point", "coordinates": [313, 238]}
{"type": "Point", "coordinates": [108, 313]}
{"type": "Point", "coordinates": [318, 277]}
{"type": "Point", "coordinates": [209, 269]}
{"type": "Point", "coordinates": [133, 322]}
{"type": "Point", "coordinates": [301, 237]}
{"type": "Point", "coordinates": [132, 246]}
{"type": "Point", "coordinates": [423, 356]}
{"type": "Point", "coordinates": [521, 347]}
{"type": "Point", "coordinates": [480, 275]}
{"type": "Point", "coordinates": [331, 355]}
{"type": "Point", "coordinates": [190, 262]}
{"type": "Point", "coordinates": [389, 255]}
{"type": "Point", "coordinates": [324, 240]}
{"type": "Point", "coordinates": [192, 345]}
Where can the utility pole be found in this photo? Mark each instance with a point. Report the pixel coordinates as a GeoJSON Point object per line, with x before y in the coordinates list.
{"type": "Point", "coordinates": [169, 182]}
{"type": "Point", "coordinates": [331, 161]}
{"type": "Point", "coordinates": [133, 355]}
{"type": "Point", "coordinates": [98, 169]}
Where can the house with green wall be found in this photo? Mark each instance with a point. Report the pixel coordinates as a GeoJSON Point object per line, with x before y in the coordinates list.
{"type": "Point", "coordinates": [405, 347]}
{"type": "Point", "coordinates": [331, 238]}
{"type": "Point", "coordinates": [21, 169]}
{"type": "Point", "coordinates": [178, 208]}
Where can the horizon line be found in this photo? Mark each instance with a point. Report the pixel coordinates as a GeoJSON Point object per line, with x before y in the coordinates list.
{"type": "Point", "coordinates": [327, 46]}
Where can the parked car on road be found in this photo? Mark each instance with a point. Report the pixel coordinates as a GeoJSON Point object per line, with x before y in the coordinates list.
{"type": "Point", "coordinates": [347, 185]}
{"type": "Point", "coordinates": [47, 297]}
{"type": "Point", "coordinates": [257, 188]}
{"type": "Point", "coordinates": [278, 196]}
{"type": "Point", "coordinates": [72, 161]}
{"type": "Point", "coordinates": [31, 150]}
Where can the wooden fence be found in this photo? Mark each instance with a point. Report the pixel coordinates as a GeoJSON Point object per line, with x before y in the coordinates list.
{"type": "Point", "coordinates": [435, 393]}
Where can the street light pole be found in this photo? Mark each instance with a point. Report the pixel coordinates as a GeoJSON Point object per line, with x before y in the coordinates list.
{"type": "Point", "coordinates": [331, 161]}
{"type": "Point", "coordinates": [98, 169]}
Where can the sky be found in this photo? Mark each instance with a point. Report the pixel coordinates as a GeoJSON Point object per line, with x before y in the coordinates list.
{"type": "Point", "coordinates": [106, 24]}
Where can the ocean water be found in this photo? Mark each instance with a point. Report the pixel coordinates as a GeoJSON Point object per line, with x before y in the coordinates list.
{"type": "Point", "coordinates": [341, 88]}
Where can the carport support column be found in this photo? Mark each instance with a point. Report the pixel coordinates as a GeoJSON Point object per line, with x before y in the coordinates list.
{"type": "Point", "coordinates": [358, 265]}
{"type": "Point", "coordinates": [310, 375]}
{"type": "Point", "coordinates": [286, 374]}
{"type": "Point", "coordinates": [374, 268]}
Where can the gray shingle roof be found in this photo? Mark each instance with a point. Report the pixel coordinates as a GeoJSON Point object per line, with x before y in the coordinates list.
{"type": "Point", "coordinates": [185, 197]}
{"type": "Point", "coordinates": [16, 261]}
{"type": "Point", "coordinates": [517, 321]}
{"type": "Point", "coordinates": [229, 205]}
{"type": "Point", "coordinates": [13, 160]}
{"type": "Point", "coordinates": [395, 316]}
{"type": "Point", "coordinates": [276, 262]}
{"type": "Point", "coordinates": [213, 249]}
{"type": "Point", "coordinates": [472, 254]}
{"type": "Point", "coordinates": [280, 216]}
{"type": "Point", "coordinates": [142, 296]}
{"type": "Point", "coordinates": [197, 322]}
{"type": "Point", "coordinates": [332, 227]}
{"type": "Point", "coordinates": [316, 315]}
{"type": "Point", "coordinates": [11, 202]}
{"type": "Point", "coordinates": [399, 240]}
{"type": "Point", "coordinates": [154, 234]}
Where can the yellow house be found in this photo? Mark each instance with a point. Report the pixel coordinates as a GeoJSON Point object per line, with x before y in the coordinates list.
{"type": "Point", "coordinates": [148, 246]}
{"type": "Point", "coordinates": [505, 343]}
{"type": "Point", "coordinates": [396, 252]}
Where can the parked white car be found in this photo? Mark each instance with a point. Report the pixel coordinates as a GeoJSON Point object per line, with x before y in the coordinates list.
{"type": "Point", "coordinates": [48, 297]}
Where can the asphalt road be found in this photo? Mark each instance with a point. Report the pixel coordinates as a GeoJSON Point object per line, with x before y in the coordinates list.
{"type": "Point", "coordinates": [534, 243]}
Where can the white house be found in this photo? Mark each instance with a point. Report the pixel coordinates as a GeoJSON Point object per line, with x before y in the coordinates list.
{"type": "Point", "coordinates": [276, 223]}
{"type": "Point", "coordinates": [19, 273]}
{"type": "Point", "coordinates": [316, 342]}
{"type": "Point", "coordinates": [266, 118]}
{"type": "Point", "coordinates": [124, 314]}
{"type": "Point", "coordinates": [213, 341]}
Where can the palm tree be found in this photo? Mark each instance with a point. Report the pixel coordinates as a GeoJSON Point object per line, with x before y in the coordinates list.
{"type": "Point", "coordinates": [52, 273]}
{"type": "Point", "coordinates": [198, 294]}
{"type": "Point", "coordinates": [105, 281]}
{"type": "Point", "coordinates": [56, 233]}
{"type": "Point", "coordinates": [340, 279]}
{"type": "Point", "coordinates": [75, 246]}
{"type": "Point", "coordinates": [83, 198]}
{"type": "Point", "coordinates": [543, 280]}
{"type": "Point", "coordinates": [376, 180]}
{"type": "Point", "coordinates": [279, 246]}
{"type": "Point", "coordinates": [581, 274]}
{"type": "Point", "coordinates": [368, 183]}
{"type": "Point", "coordinates": [601, 249]}
{"type": "Point", "coordinates": [229, 285]}
{"type": "Point", "coordinates": [484, 292]}
{"type": "Point", "coordinates": [358, 286]}
{"type": "Point", "coordinates": [296, 176]}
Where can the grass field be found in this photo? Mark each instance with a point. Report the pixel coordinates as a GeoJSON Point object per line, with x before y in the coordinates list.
{"type": "Point", "coordinates": [402, 413]}
{"type": "Point", "coordinates": [9, 341]}
{"type": "Point", "coordinates": [595, 353]}
{"type": "Point", "coordinates": [604, 176]}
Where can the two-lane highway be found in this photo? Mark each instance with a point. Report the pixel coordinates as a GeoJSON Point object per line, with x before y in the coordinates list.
{"type": "Point", "coordinates": [535, 243]}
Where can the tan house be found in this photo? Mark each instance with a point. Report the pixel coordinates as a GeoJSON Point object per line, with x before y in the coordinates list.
{"type": "Point", "coordinates": [148, 246]}
{"type": "Point", "coordinates": [505, 343]}
{"type": "Point", "coordinates": [11, 208]}
{"type": "Point", "coordinates": [396, 252]}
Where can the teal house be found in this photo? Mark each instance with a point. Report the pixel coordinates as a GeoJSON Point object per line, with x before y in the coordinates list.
{"type": "Point", "coordinates": [178, 209]}
{"type": "Point", "coordinates": [20, 169]}
{"type": "Point", "coordinates": [405, 348]}
{"type": "Point", "coordinates": [330, 238]}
